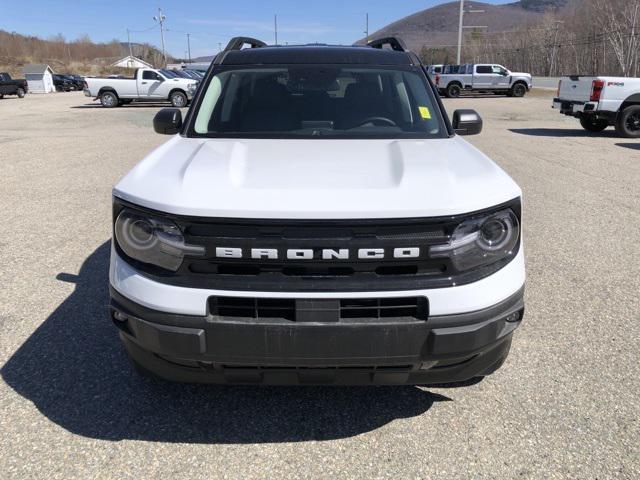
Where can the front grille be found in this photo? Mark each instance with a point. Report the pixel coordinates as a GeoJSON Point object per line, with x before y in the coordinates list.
{"type": "Point", "coordinates": [319, 310]}
{"type": "Point", "coordinates": [315, 274]}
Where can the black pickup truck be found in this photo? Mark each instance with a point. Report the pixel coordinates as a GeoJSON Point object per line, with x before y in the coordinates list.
{"type": "Point", "coordinates": [8, 86]}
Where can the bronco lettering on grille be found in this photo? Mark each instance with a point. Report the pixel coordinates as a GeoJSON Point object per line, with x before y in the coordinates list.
{"type": "Point", "coordinates": [321, 254]}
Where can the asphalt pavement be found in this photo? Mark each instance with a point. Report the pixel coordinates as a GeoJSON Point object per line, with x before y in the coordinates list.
{"type": "Point", "coordinates": [565, 405]}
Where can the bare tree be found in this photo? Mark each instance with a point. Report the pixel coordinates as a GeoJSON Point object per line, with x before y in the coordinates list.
{"type": "Point", "coordinates": [618, 19]}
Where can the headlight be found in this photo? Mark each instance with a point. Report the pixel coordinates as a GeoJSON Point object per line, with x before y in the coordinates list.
{"type": "Point", "coordinates": [152, 240]}
{"type": "Point", "coordinates": [481, 241]}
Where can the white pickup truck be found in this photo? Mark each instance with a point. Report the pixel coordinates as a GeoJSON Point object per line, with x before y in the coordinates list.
{"type": "Point", "coordinates": [147, 84]}
{"type": "Point", "coordinates": [599, 102]}
{"type": "Point", "coordinates": [483, 78]}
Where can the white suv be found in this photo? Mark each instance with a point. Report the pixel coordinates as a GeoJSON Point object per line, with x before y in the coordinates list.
{"type": "Point", "coordinates": [317, 219]}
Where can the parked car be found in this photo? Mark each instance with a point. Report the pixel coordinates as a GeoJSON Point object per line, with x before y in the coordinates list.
{"type": "Point", "coordinates": [483, 78]}
{"type": "Point", "coordinates": [170, 73]}
{"type": "Point", "coordinates": [62, 83]}
{"type": "Point", "coordinates": [600, 102]}
{"type": "Point", "coordinates": [146, 85]}
{"type": "Point", "coordinates": [76, 80]}
{"type": "Point", "coordinates": [317, 219]}
{"type": "Point", "coordinates": [10, 86]}
{"type": "Point", "coordinates": [193, 74]}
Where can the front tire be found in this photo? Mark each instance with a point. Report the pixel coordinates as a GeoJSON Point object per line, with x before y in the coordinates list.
{"type": "Point", "coordinates": [628, 123]}
{"type": "Point", "coordinates": [592, 124]}
{"type": "Point", "coordinates": [453, 90]}
{"type": "Point", "coordinates": [518, 90]}
{"type": "Point", "coordinates": [20, 92]}
{"type": "Point", "coordinates": [178, 99]}
{"type": "Point", "coordinates": [109, 100]}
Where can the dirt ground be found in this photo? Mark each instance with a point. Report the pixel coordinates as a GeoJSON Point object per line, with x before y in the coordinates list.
{"type": "Point", "coordinates": [565, 405]}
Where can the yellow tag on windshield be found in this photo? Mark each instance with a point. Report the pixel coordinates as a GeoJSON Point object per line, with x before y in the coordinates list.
{"type": "Point", "coordinates": [425, 113]}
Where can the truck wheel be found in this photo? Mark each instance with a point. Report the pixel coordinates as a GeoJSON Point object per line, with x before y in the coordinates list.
{"type": "Point", "coordinates": [518, 90]}
{"type": "Point", "coordinates": [453, 90]}
{"type": "Point", "coordinates": [178, 99]}
{"type": "Point", "coordinates": [593, 124]}
{"type": "Point", "coordinates": [628, 123]}
{"type": "Point", "coordinates": [109, 99]}
{"type": "Point", "coordinates": [20, 93]}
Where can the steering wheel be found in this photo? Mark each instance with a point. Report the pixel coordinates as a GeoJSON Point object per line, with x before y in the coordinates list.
{"type": "Point", "coordinates": [379, 121]}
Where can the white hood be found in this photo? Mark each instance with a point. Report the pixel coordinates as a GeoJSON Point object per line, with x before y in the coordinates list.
{"type": "Point", "coordinates": [316, 179]}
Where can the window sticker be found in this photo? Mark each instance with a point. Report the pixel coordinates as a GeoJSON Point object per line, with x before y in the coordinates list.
{"type": "Point", "coordinates": [425, 113]}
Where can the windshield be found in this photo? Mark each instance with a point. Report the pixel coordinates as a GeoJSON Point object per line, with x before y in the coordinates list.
{"type": "Point", "coordinates": [319, 101]}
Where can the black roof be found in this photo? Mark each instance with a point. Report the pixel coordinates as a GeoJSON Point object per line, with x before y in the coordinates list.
{"type": "Point", "coordinates": [316, 54]}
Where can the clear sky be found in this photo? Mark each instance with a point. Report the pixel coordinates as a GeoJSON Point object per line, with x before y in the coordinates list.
{"type": "Point", "coordinates": [209, 22]}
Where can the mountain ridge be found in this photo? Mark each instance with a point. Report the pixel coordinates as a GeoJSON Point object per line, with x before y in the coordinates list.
{"type": "Point", "coordinates": [437, 27]}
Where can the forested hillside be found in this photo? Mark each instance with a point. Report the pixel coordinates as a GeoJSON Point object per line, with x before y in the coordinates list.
{"type": "Point", "coordinates": [79, 56]}
{"type": "Point", "coordinates": [545, 37]}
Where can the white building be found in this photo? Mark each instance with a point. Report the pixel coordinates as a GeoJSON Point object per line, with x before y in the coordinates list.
{"type": "Point", "coordinates": [131, 62]}
{"type": "Point", "coordinates": [39, 78]}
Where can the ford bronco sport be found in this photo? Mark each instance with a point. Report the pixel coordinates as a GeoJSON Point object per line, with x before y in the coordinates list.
{"type": "Point", "coordinates": [317, 219]}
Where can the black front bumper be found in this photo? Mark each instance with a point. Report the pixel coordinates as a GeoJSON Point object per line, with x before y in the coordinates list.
{"type": "Point", "coordinates": [216, 349]}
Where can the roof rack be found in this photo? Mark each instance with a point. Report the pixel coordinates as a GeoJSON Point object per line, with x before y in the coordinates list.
{"type": "Point", "coordinates": [236, 43]}
{"type": "Point", "coordinates": [395, 43]}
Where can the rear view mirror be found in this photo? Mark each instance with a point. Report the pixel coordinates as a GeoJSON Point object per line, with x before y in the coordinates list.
{"type": "Point", "coordinates": [467, 122]}
{"type": "Point", "coordinates": [168, 121]}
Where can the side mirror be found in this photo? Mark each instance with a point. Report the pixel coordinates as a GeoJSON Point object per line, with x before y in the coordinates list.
{"type": "Point", "coordinates": [466, 122]}
{"type": "Point", "coordinates": [168, 121]}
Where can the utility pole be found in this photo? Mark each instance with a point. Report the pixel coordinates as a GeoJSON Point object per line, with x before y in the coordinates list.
{"type": "Point", "coordinates": [460, 23]}
{"type": "Point", "coordinates": [366, 28]}
{"type": "Point", "coordinates": [275, 27]}
{"type": "Point", "coordinates": [129, 42]}
{"type": "Point", "coordinates": [461, 27]}
{"type": "Point", "coordinates": [555, 47]}
{"type": "Point", "coordinates": [189, 45]}
{"type": "Point", "coordinates": [160, 18]}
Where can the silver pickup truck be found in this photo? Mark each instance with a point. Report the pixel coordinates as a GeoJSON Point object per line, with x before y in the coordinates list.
{"type": "Point", "coordinates": [482, 78]}
{"type": "Point", "coordinates": [147, 85]}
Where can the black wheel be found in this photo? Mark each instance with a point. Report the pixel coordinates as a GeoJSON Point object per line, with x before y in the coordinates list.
{"type": "Point", "coordinates": [453, 90]}
{"type": "Point", "coordinates": [178, 99]}
{"type": "Point", "coordinates": [628, 123]}
{"type": "Point", "coordinates": [20, 92]}
{"type": "Point", "coordinates": [1, 96]}
{"type": "Point", "coordinates": [518, 90]}
{"type": "Point", "coordinates": [109, 99]}
{"type": "Point", "coordinates": [592, 124]}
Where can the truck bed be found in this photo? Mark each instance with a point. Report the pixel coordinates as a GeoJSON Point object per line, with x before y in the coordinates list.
{"type": "Point", "coordinates": [575, 88]}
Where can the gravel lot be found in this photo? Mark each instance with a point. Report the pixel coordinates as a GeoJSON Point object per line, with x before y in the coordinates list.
{"type": "Point", "coordinates": [565, 405]}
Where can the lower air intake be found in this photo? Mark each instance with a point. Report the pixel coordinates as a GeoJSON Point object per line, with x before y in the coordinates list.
{"type": "Point", "coordinates": [319, 310]}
